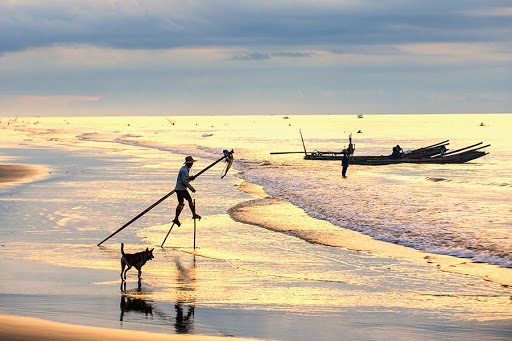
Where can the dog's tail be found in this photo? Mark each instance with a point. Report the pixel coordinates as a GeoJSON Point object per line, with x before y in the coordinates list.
{"type": "Point", "coordinates": [122, 249]}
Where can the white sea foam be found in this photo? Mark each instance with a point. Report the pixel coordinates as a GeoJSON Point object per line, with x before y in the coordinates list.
{"type": "Point", "coordinates": [414, 217]}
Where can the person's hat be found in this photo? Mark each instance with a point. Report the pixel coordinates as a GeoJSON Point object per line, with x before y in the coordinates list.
{"type": "Point", "coordinates": [189, 159]}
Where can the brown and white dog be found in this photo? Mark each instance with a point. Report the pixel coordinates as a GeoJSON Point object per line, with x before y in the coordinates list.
{"type": "Point", "coordinates": [136, 260]}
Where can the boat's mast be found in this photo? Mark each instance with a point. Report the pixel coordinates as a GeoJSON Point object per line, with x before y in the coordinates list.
{"type": "Point", "coordinates": [305, 152]}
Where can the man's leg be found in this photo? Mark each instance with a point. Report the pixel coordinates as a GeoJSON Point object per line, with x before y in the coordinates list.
{"type": "Point", "coordinates": [179, 208]}
{"type": "Point", "coordinates": [193, 209]}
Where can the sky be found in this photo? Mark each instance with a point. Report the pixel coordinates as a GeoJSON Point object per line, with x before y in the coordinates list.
{"type": "Point", "coordinates": [249, 57]}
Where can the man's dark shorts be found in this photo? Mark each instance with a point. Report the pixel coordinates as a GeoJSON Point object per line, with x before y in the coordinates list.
{"type": "Point", "coordinates": [183, 195]}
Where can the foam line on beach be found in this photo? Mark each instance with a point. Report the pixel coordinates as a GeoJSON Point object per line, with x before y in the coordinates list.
{"type": "Point", "coordinates": [14, 328]}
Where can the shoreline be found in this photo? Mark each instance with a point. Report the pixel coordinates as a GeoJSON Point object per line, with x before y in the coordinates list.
{"type": "Point", "coordinates": [16, 173]}
{"type": "Point", "coordinates": [14, 328]}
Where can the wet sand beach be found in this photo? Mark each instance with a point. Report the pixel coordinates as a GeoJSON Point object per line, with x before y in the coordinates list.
{"type": "Point", "coordinates": [263, 268]}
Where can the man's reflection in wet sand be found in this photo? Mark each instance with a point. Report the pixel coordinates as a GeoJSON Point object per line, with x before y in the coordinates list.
{"type": "Point", "coordinates": [185, 297]}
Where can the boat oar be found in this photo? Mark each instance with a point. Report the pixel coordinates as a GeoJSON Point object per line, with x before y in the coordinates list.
{"type": "Point", "coordinates": [461, 149]}
{"type": "Point", "coordinates": [487, 145]}
{"type": "Point", "coordinates": [227, 154]}
{"type": "Point", "coordinates": [473, 150]}
{"type": "Point", "coordinates": [432, 146]}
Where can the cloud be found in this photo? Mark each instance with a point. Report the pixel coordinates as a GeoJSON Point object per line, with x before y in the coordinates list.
{"type": "Point", "coordinates": [53, 100]}
{"type": "Point", "coordinates": [329, 93]}
{"type": "Point", "coordinates": [292, 54]}
{"type": "Point", "coordinates": [51, 105]}
{"type": "Point", "coordinates": [492, 12]}
{"type": "Point", "coordinates": [164, 24]}
{"type": "Point", "coordinates": [252, 56]}
{"type": "Point", "coordinates": [457, 51]}
{"type": "Point", "coordinates": [265, 55]}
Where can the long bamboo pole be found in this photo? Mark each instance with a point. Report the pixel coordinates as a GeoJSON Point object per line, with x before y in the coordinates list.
{"type": "Point", "coordinates": [461, 149]}
{"type": "Point", "coordinates": [226, 154]}
{"type": "Point", "coordinates": [432, 146]}
{"type": "Point", "coordinates": [487, 145]}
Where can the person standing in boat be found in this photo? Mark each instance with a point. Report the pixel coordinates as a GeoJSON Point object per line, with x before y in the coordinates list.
{"type": "Point", "coordinates": [344, 164]}
{"type": "Point", "coordinates": [351, 148]}
{"type": "Point", "coordinates": [182, 183]}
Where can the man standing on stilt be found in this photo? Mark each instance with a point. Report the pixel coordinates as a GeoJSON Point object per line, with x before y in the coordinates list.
{"type": "Point", "coordinates": [182, 183]}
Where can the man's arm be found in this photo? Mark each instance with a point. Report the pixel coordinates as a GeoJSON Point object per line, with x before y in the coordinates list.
{"type": "Point", "coordinates": [184, 180]}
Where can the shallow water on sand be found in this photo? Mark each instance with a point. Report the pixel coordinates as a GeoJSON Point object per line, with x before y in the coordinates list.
{"type": "Point", "coordinates": [460, 210]}
{"type": "Point", "coordinates": [243, 279]}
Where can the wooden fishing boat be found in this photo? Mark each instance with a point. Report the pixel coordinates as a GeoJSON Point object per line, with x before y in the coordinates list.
{"type": "Point", "coordinates": [461, 157]}
{"type": "Point", "coordinates": [436, 154]}
{"type": "Point", "coordinates": [417, 154]}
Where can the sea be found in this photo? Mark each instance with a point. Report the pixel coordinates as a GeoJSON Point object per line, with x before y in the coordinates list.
{"type": "Point", "coordinates": [434, 239]}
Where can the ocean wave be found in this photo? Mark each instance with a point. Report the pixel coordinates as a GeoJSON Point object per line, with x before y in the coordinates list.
{"type": "Point", "coordinates": [455, 180]}
{"type": "Point", "coordinates": [279, 215]}
{"type": "Point", "coordinates": [392, 214]}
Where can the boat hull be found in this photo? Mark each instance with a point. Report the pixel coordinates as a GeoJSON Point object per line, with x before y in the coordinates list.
{"type": "Point", "coordinates": [388, 160]}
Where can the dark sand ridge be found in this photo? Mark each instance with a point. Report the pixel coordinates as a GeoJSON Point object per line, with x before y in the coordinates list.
{"type": "Point", "coordinates": [19, 173]}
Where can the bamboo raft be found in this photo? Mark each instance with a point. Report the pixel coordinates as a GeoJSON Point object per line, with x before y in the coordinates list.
{"type": "Point", "coordinates": [435, 154]}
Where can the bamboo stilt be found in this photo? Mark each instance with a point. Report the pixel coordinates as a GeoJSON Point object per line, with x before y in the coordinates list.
{"type": "Point", "coordinates": [167, 235]}
{"type": "Point", "coordinates": [194, 225]}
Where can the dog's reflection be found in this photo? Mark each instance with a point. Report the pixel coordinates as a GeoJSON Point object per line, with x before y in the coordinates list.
{"type": "Point", "coordinates": [134, 291]}
{"type": "Point", "coordinates": [133, 304]}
